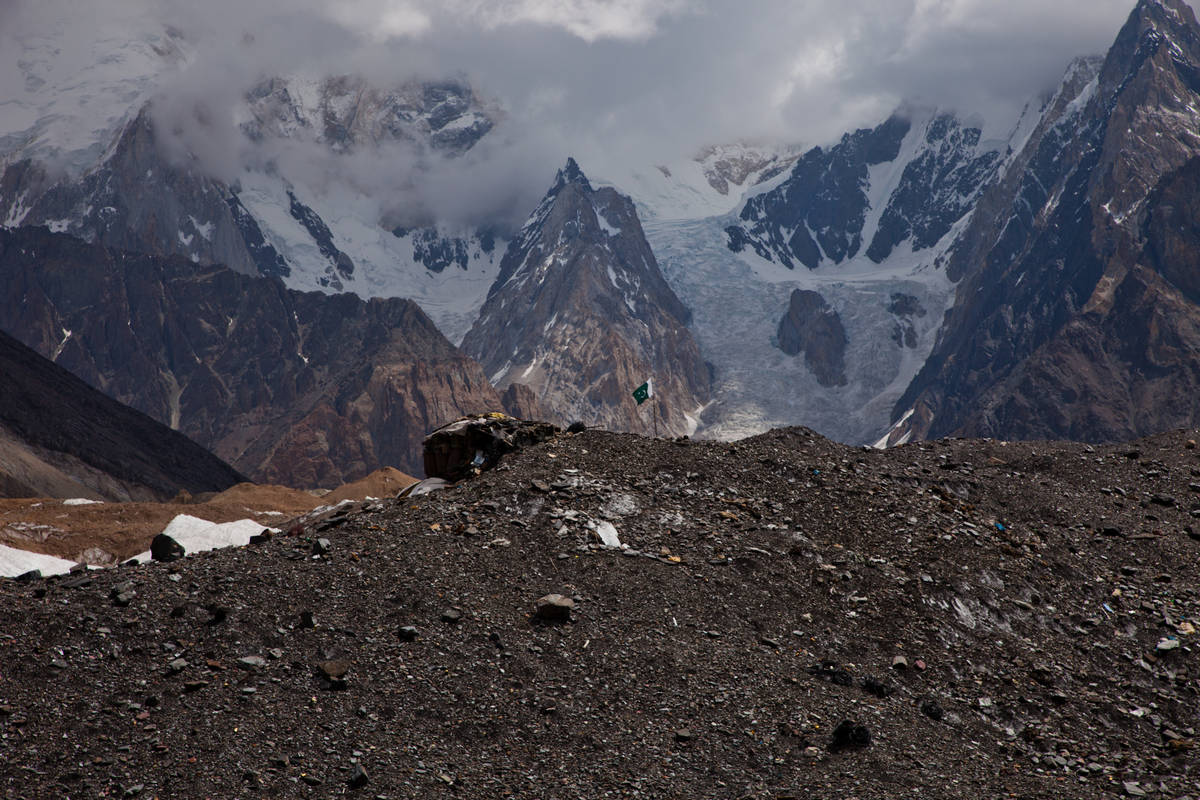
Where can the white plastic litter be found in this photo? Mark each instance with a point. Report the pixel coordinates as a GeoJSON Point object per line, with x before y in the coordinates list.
{"type": "Point", "coordinates": [607, 533]}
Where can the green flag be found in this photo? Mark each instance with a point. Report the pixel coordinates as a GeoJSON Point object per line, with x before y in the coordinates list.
{"type": "Point", "coordinates": [644, 392]}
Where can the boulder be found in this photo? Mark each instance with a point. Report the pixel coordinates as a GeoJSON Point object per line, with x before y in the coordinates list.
{"type": "Point", "coordinates": [475, 444]}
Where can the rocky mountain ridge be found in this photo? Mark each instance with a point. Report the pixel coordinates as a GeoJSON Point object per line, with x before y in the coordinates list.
{"type": "Point", "coordinates": [303, 389]}
{"type": "Point", "coordinates": [1075, 286]}
{"type": "Point", "coordinates": [581, 314]}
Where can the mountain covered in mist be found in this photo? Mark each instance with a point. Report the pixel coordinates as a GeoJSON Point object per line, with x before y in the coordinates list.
{"type": "Point", "coordinates": [934, 274]}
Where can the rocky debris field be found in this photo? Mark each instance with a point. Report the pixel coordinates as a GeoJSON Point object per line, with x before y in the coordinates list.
{"type": "Point", "coordinates": [782, 617]}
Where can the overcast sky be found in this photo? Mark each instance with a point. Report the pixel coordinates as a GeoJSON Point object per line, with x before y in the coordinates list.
{"type": "Point", "coordinates": [618, 82]}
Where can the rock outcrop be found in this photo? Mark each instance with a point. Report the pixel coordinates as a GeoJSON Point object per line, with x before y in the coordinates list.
{"type": "Point", "coordinates": [813, 328]}
{"type": "Point", "coordinates": [303, 389]}
{"type": "Point", "coordinates": [581, 314]}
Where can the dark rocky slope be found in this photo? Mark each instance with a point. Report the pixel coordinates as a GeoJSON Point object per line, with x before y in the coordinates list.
{"type": "Point", "coordinates": [1077, 316]}
{"type": "Point", "coordinates": [1039, 596]}
{"type": "Point", "coordinates": [303, 389]}
{"type": "Point", "coordinates": [60, 437]}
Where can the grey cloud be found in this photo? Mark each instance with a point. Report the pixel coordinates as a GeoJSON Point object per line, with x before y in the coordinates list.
{"type": "Point", "coordinates": [615, 82]}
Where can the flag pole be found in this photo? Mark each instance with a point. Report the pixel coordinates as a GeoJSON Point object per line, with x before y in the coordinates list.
{"type": "Point", "coordinates": [655, 412]}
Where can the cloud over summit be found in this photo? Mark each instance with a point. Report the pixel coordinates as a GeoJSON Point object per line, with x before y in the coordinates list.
{"type": "Point", "coordinates": [622, 82]}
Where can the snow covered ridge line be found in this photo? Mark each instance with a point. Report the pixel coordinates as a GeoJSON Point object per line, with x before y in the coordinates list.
{"type": "Point", "coordinates": [192, 534]}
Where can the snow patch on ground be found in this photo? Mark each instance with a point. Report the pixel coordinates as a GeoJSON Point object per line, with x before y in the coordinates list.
{"type": "Point", "coordinates": [14, 562]}
{"type": "Point", "coordinates": [606, 532]}
{"type": "Point", "coordinates": [198, 535]}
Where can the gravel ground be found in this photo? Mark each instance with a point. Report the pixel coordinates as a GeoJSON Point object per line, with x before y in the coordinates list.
{"type": "Point", "coordinates": [787, 618]}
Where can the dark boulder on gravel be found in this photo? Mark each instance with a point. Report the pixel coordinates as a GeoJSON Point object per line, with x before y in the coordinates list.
{"type": "Point", "coordinates": [164, 548]}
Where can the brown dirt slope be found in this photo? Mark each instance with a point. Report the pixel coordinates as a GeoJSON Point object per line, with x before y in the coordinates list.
{"type": "Point", "coordinates": [1043, 596]}
{"type": "Point", "coordinates": [104, 533]}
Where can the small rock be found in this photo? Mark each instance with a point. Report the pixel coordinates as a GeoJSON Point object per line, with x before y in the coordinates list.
{"type": "Point", "coordinates": [408, 634]}
{"type": "Point", "coordinates": [307, 619]}
{"type": "Point", "coordinates": [177, 666]}
{"type": "Point", "coordinates": [194, 686]}
{"type": "Point", "coordinates": [684, 735]}
{"type": "Point", "coordinates": [261, 538]}
{"type": "Point", "coordinates": [334, 670]}
{"type": "Point", "coordinates": [849, 734]}
{"type": "Point", "coordinates": [358, 777]}
{"type": "Point", "coordinates": [452, 616]}
{"type": "Point", "coordinates": [931, 709]}
{"type": "Point", "coordinates": [1167, 645]}
{"type": "Point", "coordinates": [30, 576]}
{"type": "Point", "coordinates": [321, 547]}
{"type": "Point", "coordinates": [554, 608]}
{"type": "Point", "coordinates": [1134, 789]}
{"type": "Point", "coordinates": [877, 687]}
{"type": "Point", "coordinates": [164, 548]}
{"type": "Point", "coordinates": [254, 662]}
{"type": "Point", "coordinates": [830, 671]}
{"type": "Point", "coordinates": [900, 662]}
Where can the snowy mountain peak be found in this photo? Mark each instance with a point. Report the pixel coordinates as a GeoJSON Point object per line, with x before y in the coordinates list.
{"type": "Point", "coordinates": [569, 174]}
{"type": "Point", "coordinates": [910, 180]}
{"type": "Point", "coordinates": [581, 314]}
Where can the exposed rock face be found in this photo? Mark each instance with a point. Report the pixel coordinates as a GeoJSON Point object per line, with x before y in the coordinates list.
{"type": "Point", "coordinates": [937, 189]}
{"type": "Point", "coordinates": [1077, 315]}
{"type": "Point", "coordinates": [60, 437]}
{"type": "Point", "coordinates": [581, 314]}
{"type": "Point", "coordinates": [822, 203]}
{"type": "Point", "coordinates": [303, 389]}
{"type": "Point", "coordinates": [139, 200]}
{"type": "Point", "coordinates": [813, 328]}
{"type": "Point", "coordinates": [827, 210]}
{"type": "Point", "coordinates": [346, 112]}
{"type": "Point", "coordinates": [907, 309]}
{"type": "Point", "coordinates": [731, 167]}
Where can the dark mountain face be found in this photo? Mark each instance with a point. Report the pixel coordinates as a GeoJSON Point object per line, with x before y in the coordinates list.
{"type": "Point", "coordinates": [819, 214]}
{"type": "Point", "coordinates": [581, 314]}
{"type": "Point", "coordinates": [1076, 315]}
{"type": "Point", "coordinates": [303, 389]}
{"type": "Point", "coordinates": [813, 328]}
{"type": "Point", "coordinates": [60, 437]}
{"type": "Point", "coordinates": [139, 200]}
